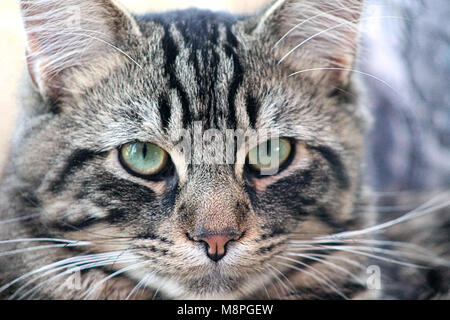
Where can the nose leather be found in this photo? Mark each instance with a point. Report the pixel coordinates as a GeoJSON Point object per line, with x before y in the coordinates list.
{"type": "Point", "coordinates": [216, 245]}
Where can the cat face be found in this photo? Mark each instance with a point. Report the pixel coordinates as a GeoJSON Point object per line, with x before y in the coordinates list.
{"type": "Point", "coordinates": [128, 146]}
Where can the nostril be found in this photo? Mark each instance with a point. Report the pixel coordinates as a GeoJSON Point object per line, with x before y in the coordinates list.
{"type": "Point", "coordinates": [215, 244]}
{"type": "Point", "coordinates": [215, 256]}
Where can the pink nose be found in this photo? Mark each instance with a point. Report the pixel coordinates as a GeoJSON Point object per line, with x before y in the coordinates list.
{"type": "Point", "coordinates": [216, 245]}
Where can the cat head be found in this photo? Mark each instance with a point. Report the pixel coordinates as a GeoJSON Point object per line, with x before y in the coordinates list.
{"type": "Point", "coordinates": [144, 136]}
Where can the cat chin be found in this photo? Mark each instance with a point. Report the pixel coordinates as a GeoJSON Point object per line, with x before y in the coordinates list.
{"type": "Point", "coordinates": [213, 286]}
{"type": "Point", "coordinates": [178, 289]}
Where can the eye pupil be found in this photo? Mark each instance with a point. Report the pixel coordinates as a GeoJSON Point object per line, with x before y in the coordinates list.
{"type": "Point", "coordinates": [144, 151]}
{"type": "Point", "coordinates": [269, 148]}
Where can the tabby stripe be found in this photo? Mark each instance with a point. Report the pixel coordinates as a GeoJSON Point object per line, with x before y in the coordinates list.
{"type": "Point", "coordinates": [252, 109]}
{"type": "Point", "coordinates": [336, 165]}
{"type": "Point", "coordinates": [125, 192]}
{"type": "Point", "coordinates": [164, 110]}
{"type": "Point", "coordinates": [75, 162]}
{"type": "Point", "coordinates": [215, 61]}
{"type": "Point", "coordinates": [238, 76]}
{"type": "Point", "coordinates": [171, 52]}
{"type": "Point", "coordinates": [75, 226]}
{"type": "Point", "coordinates": [114, 215]}
{"type": "Point", "coordinates": [212, 103]}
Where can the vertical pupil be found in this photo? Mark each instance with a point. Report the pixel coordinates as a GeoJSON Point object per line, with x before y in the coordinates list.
{"type": "Point", "coordinates": [144, 151]}
{"type": "Point", "coordinates": [262, 158]}
{"type": "Point", "coordinates": [269, 148]}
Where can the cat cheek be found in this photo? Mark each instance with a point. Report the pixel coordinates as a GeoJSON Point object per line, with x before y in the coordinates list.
{"type": "Point", "coordinates": [113, 165]}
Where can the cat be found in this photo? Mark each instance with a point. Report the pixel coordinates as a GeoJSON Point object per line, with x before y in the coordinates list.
{"type": "Point", "coordinates": [107, 194]}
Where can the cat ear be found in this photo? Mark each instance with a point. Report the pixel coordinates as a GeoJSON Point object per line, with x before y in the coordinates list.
{"type": "Point", "coordinates": [313, 34]}
{"type": "Point", "coordinates": [71, 43]}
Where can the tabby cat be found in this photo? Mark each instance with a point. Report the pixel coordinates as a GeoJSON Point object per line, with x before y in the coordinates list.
{"type": "Point", "coordinates": [116, 187]}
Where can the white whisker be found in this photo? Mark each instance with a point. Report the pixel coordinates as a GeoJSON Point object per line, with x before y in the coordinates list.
{"type": "Point", "coordinates": [352, 22]}
{"type": "Point", "coordinates": [278, 282]}
{"type": "Point", "coordinates": [42, 240]}
{"type": "Point", "coordinates": [363, 253]}
{"type": "Point", "coordinates": [262, 274]}
{"type": "Point", "coordinates": [313, 275]}
{"type": "Point", "coordinates": [140, 284]}
{"type": "Point", "coordinates": [414, 214]}
{"type": "Point", "coordinates": [52, 246]}
{"type": "Point", "coordinates": [72, 270]}
{"type": "Point", "coordinates": [107, 43]}
{"type": "Point", "coordinates": [288, 289]}
{"type": "Point", "coordinates": [22, 218]}
{"type": "Point", "coordinates": [64, 262]}
{"type": "Point", "coordinates": [114, 274]}
{"type": "Point", "coordinates": [307, 20]}
{"type": "Point", "coordinates": [324, 261]}
{"type": "Point", "coordinates": [346, 69]}
{"type": "Point", "coordinates": [399, 244]}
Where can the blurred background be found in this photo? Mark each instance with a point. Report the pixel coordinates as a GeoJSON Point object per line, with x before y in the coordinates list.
{"type": "Point", "coordinates": [405, 43]}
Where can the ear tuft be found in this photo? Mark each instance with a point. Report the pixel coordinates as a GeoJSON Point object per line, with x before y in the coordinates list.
{"type": "Point", "coordinates": [312, 35]}
{"type": "Point", "coordinates": [72, 37]}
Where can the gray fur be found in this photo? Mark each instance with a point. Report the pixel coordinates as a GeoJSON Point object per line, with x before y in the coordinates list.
{"type": "Point", "coordinates": [150, 78]}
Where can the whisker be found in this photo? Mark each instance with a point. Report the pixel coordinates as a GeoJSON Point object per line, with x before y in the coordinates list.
{"type": "Point", "coordinates": [399, 244]}
{"type": "Point", "coordinates": [99, 235]}
{"type": "Point", "coordinates": [350, 262]}
{"type": "Point", "coordinates": [331, 264]}
{"type": "Point", "coordinates": [145, 284]}
{"type": "Point", "coordinates": [54, 60]}
{"type": "Point", "coordinates": [41, 240]}
{"type": "Point", "coordinates": [22, 218]}
{"type": "Point", "coordinates": [156, 292]}
{"type": "Point", "coordinates": [346, 69]}
{"type": "Point", "coordinates": [332, 28]}
{"type": "Point", "coordinates": [53, 246]}
{"type": "Point", "coordinates": [424, 257]}
{"type": "Point", "coordinates": [83, 260]}
{"type": "Point", "coordinates": [262, 274]}
{"type": "Point", "coordinates": [307, 20]}
{"type": "Point", "coordinates": [313, 275]}
{"type": "Point", "coordinates": [362, 253]}
{"type": "Point", "coordinates": [71, 271]}
{"type": "Point", "coordinates": [140, 284]}
{"type": "Point", "coordinates": [292, 289]}
{"type": "Point", "coordinates": [278, 282]}
{"type": "Point", "coordinates": [67, 261]}
{"type": "Point", "coordinates": [114, 274]}
{"type": "Point", "coordinates": [416, 213]}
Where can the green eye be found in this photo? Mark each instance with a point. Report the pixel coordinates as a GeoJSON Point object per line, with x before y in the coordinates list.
{"type": "Point", "coordinates": [144, 159]}
{"type": "Point", "coordinates": [270, 155]}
